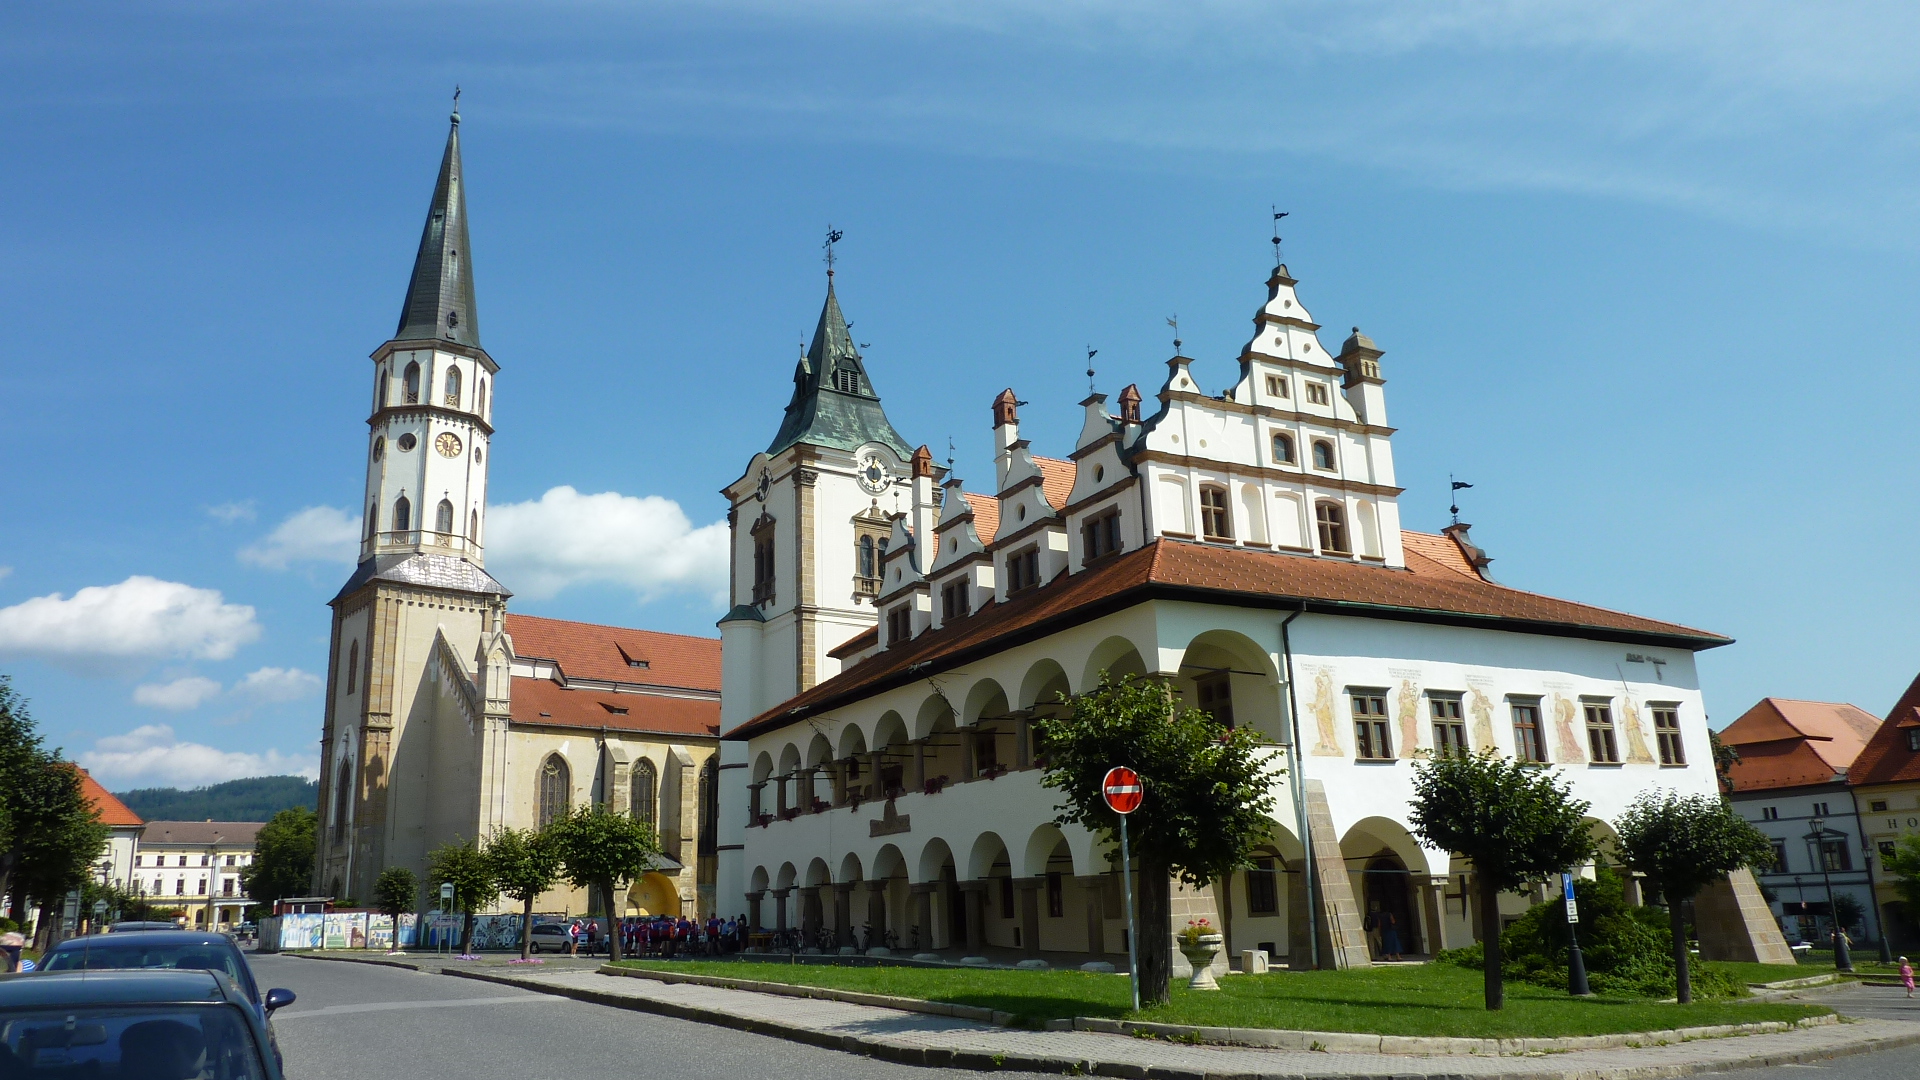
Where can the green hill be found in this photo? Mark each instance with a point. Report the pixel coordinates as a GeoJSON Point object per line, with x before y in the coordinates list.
{"type": "Point", "coordinates": [256, 798]}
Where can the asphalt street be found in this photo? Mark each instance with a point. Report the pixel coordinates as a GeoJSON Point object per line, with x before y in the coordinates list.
{"type": "Point", "coordinates": [357, 1020]}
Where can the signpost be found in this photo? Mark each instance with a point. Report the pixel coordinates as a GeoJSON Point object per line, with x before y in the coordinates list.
{"type": "Point", "coordinates": [1576, 964]}
{"type": "Point", "coordinates": [1123, 793]}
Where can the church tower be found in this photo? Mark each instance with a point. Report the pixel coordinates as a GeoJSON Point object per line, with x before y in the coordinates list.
{"type": "Point", "coordinates": [400, 774]}
{"type": "Point", "coordinates": [810, 520]}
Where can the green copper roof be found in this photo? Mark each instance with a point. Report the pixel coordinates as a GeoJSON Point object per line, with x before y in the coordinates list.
{"type": "Point", "coordinates": [440, 296]}
{"type": "Point", "coordinates": [833, 400]}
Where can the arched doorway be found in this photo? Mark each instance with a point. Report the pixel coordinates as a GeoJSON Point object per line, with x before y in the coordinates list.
{"type": "Point", "coordinates": [654, 894]}
{"type": "Point", "coordinates": [1388, 904]}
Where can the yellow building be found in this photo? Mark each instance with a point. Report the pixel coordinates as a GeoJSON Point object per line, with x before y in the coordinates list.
{"type": "Point", "coordinates": [1885, 779]}
{"type": "Point", "coordinates": [196, 866]}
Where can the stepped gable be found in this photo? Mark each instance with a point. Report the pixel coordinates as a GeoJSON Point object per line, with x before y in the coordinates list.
{"type": "Point", "coordinates": [1428, 590]}
{"type": "Point", "coordinates": [1886, 759]}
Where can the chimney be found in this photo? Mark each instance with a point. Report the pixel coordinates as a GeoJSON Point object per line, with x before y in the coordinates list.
{"type": "Point", "coordinates": [925, 547]}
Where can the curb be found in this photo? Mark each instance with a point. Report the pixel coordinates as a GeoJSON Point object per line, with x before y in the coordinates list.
{"type": "Point", "coordinates": [1434, 1045]}
{"type": "Point", "coordinates": [935, 1057]}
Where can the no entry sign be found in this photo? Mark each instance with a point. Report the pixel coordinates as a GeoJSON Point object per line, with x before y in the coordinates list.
{"type": "Point", "coordinates": [1122, 790]}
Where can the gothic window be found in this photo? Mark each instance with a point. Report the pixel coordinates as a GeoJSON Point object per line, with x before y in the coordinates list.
{"type": "Point", "coordinates": [453, 388]}
{"type": "Point", "coordinates": [473, 526]}
{"type": "Point", "coordinates": [402, 514]}
{"type": "Point", "coordinates": [1282, 448]}
{"type": "Point", "coordinates": [708, 842]}
{"type": "Point", "coordinates": [868, 568]}
{"type": "Point", "coordinates": [480, 398]}
{"type": "Point", "coordinates": [846, 380]}
{"type": "Point", "coordinates": [1323, 455]}
{"type": "Point", "coordinates": [413, 383]}
{"type": "Point", "coordinates": [1333, 528]}
{"type": "Point", "coordinates": [380, 388]}
{"type": "Point", "coordinates": [763, 564]}
{"type": "Point", "coordinates": [641, 786]}
{"type": "Point", "coordinates": [342, 802]}
{"type": "Point", "coordinates": [443, 517]}
{"type": "Point", "coordinates": [373, 520]}
{"type": "Point", "coordinates": [1216, 519]}
{"type": "Point", "coordinates": [353, 665]}
{"type": "Point", "coordinates": [555, 783]}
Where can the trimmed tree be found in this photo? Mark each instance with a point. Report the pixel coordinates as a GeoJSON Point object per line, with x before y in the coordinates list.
{"type": "Point", "coordinates": [524, 865]}
{"type": "Point", "coordinates": [601, 849]}
{"type": "Point", "coordinates": [1207, 796]}
{"type": "Point", "coordinates": [1683, 844]}
{"type": "Point", "coordinates": [282, 858]}
{"type": "Point", "coordinates": [462, 863]}
{"type": "Point", "coordinates": [394, 893]}
{"type": "Point", "coordinates": [1517, 823]}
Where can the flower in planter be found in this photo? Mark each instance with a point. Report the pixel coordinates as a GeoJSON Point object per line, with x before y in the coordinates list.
{"type": "Point", "coordinates": [1196, 929]}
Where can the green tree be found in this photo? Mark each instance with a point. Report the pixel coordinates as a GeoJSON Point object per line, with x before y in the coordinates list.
{"type": "Point", "coordinates": [1848, 911]}
{"type": "Point", "coordinates": [1208, 796]}
{"type": "Point", "coordinates": [59, 837]}
{"type": "Point", "coordinates": [282, 858]}
{"type": "Point", "coordinates": [1904, 865]}
{"type": "Point", "coordinates": [602, 850]}
{"type": "Point", "coordinates": [524, 865]}
{"type": "Point", "coordinates": [462, 863]}
{"type": "Point", "coordinates": [20, 752]}
{"type": "Point", "coordinates": [1724, 759]}
{"type": "Point", "coordinates": [394, 893]}
{"type": "Point", "coordinates": [1517, 824]}
{"type": "Point", "coordinates": [1682, 844]}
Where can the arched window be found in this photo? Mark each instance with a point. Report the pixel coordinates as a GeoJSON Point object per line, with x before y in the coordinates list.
{"type": "Point", "coordinates": [1333, 528]}
{"type": "Point", "coordinates": [443, 517]}
{"type": "Point", "coordinates": [380, 387]}
{"type": "Point", "coordinates": [867, 567]}
{"type": "Point", "coordinates": [453, 388]}
{"type": "Point", "coordinates": [707, 842]}
{"type": "Point", "coordinates": [1323, 455]}
{"type": "Point", "coordinates": [480, 398]}
{"type": "Point", "coordinates": [555, 784]}
{"type": "Point", "coordinates": [1282, 448]}
{"type": "Point", "coordinates": [373, 521]}
{"type": "Point", "coordinates": [473, 527]}
{"type": "Point", "coordinates": [379, 447]}
{"type": "Point", "coordinates": [402, 514]}
{"type": "Point", "coordinates": [342, 799]}
{"type": "Point", "coordinates": [413, 384]}
{"type": "Point", "coordinates": [1216, 518]}
{"type": "Point", "coordinates": [641, 788]}
{"type": "Point", "coordinates": [353, 665]}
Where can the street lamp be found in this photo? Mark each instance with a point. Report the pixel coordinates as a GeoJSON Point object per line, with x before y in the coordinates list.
{"type": "Point", "coordinates": [1842, 958]}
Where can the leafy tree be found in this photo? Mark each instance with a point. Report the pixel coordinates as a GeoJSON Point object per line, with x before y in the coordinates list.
{"type": "Point", "coordinates": [19, 752]}
{"type": "Point", "coordinates": [395, 891]}
{"type": "Point", "coordinates": [1847, 911]}
{"type": "Point", "coordinates": [602, 849]}
{"type": "Point", "coordinates": [59, 835]}
{"type": "Point", "coordinates": [252, 798]}
{"type": "Point", "coordinates": [1682, 844]}
{"type": "Point", "coordinates": [462, 863]}
{"type": "Point", "coordinates": [1208, 796]}
{"type": "Point", "coordinates": [524, 865]}
{"type": "Point", "coordinates": [1724, 759]}
{"type": "Point", "coordinates": [282, 858]}
{"type": "Point", "coordinates": [1517, 823]}
{"type": "Point", "coordinates": [1904, 865]}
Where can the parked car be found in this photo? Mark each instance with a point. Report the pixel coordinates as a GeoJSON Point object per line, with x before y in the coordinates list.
{"type": "Point", "coordinates": [134, 1024]}
{"type": "Point", "coordinates": [549, 936]}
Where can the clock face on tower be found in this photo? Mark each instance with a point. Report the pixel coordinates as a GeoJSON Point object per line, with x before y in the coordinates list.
{"type": "Point", "coordinates": [873, 474]}
{"type": "Point", "coordinates": [448, 444]}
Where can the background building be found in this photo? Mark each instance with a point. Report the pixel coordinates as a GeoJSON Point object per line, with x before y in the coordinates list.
{"type": "Point", "coordinates": [1886, 788]}
{"type": "Point", "coordinates": [196, 865]}
{"type": "Point", "coordinates": [115, 865]}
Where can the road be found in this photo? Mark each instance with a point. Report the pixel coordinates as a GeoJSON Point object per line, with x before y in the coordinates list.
{"type": "Point", "coordinates": [357, 1020]}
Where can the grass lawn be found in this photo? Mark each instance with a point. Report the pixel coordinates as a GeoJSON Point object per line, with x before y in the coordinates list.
{"type": "Point", "coordinates": [1433, 999]}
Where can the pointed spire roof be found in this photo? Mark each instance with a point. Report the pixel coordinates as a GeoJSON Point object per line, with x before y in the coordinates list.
{"type": "Point", "coordinates": [439, 302]}
{"type": "Point", "coordinates": [834, 404]}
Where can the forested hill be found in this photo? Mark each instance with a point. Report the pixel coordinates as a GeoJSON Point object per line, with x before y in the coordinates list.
{"type": "Point", "coordinates": [256, 798]}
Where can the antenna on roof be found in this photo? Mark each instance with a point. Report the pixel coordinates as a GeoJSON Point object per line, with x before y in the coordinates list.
{"type": "Point", "coordinates": [1453, 495]}
{"type": "Point", "coordinates": [1174, 321]}
{"type": "Point", "coordinates": [833, 237]}
{"type": "Point", "coordinates": [1277, 215]}
{"type": "Point", "coordinates": [1091, 353]}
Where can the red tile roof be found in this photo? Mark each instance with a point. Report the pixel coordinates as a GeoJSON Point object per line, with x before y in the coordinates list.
{"type": "Point", "coordinates": [112, 811]}
{"type": "Point", "coordinates": [544, 702]}
{"type": "Point", "coordinates": [1788, 743]}
{"type": "Point", "coordinates": [860, 642]}
{"type": "Point", "coordinates": [1428, 590]}
{"type": "Point", "coordinates": [1437, 549]}
{"type": "Point", "coordinates": [590, 651]}
{"type": "Point", "coordinates": [986, 515]}
{"type": "Point", "coordinates": [1056, 480]}
{"type": "Point", "coordinates": [1886, 759]}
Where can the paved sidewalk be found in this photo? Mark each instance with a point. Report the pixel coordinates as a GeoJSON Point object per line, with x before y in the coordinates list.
{"type": "Point", "coordinates": [920, 1039]}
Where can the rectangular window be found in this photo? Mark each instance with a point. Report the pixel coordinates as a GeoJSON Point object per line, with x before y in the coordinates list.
{"type": "Point", "coordinates": [1886, 850]}
{"type": "Point", "coordinates": [226, 887]}
{"type": "Point", "coordinates": [1666, 729]}
{"type": "Point", "coordinates": [1100, 535]}
{"type": "Point", "coordinates": [1836, 855]}
{"type": "Point", "coordinates": [1317, 393]}
{"type": "Point", "coordinates": [1023, 570]}
{"type": "Point", "coordinates": [1877, 806]}
{"type": "Point", "coordinates": [1769, 813]}
{"type": "Point", "coordinates": [1056, 896]}
{"type": "Point", "coordinates": [955, 601]}
{"type": "Point", "coordinates": [1370, 739]}
{"type": "Point", "coordinates": [1263, 888]}
{"type": "Point", "coordinates": [1819, 809]}
{"type": "Point", "coordinates": [986, 752]}
{"type": "Point", "coordinates": [1527, 743]}
{"type": "Point", "coordinates": [1602, 747]}
{"type": "Point", "coordinates": [1449, 729]}
{"type": "Point", "coordinates": [1277, 386]}
{"type": "Point", "coordinates": [1913, 739]}
{"type": "Point", "coordinates": [1216, 519]}
{"type": "Point", "coordinates": [179, 886]}
{"type": "Point", "coordinates": [899, 623]}
{"type": "Point", "coordinates": [1282, 448]}
{"type": "Point", "coordinates": [138, 860]}
{"type": "Point", "coordinates": [1006, 897]}
{"type": "Point", "coordinates": [229, 860]}
{"type": "Point", "coordinates": [1215, 695]}
{"type": "Point", "coordinates": [1779, 856]}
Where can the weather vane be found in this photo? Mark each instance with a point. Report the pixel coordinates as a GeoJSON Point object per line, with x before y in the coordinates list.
{"type": "Point", "coordinates": [949, 453]}
{"type": "Point", "coordinates": [833, 237]}
{"type": "Point", "coordinates": [1174, 321]}
{"type": "Point", "coordinates": [1091, 353]}
{"type": "Point", "coordinates": [1277, 215]}
{"type": "Point", "coordinates": [1455, 508]}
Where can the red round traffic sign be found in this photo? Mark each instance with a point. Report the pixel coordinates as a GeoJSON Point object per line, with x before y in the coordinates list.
{"type": "Point", "coordinates": [1122, 790]}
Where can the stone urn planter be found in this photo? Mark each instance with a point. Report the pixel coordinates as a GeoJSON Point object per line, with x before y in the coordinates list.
{"type": "Point", "coordinates": [1200, 952]}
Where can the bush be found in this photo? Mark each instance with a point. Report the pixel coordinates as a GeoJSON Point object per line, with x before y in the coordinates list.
{"type": "Point", "coordinates": [1628, 950]}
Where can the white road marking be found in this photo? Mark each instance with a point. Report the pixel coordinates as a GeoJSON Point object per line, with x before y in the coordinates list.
{"type": "Point", "coordinates": [386, 1006]}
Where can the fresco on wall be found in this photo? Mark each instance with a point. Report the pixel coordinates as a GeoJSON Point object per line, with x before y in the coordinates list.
{"type": "Point", "coordinates": [379, 931]}
{"type": "Point", "coordinates": [1570, 750]}
{"type": "Point", "coordinates": [301, 931]}
{"type": "Point", "coordinates": [1407, 706]}
{"type": "Point", "coordinates": [1482, 712]}
{"type": "Point", "coordinates": [1328, 743]}
{"type": "Point", "coordinates": [1637, 752]}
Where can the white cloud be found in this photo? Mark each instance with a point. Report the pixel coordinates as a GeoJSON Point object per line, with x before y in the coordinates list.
{"type": "Point", "coordinates": [274, 684]}
{"type": "Point", "coordinates": [150, 755]}
{"type": "Point", "coordinates": [314, 534]}
{"type": "Point", "coordinates": [229, 512]}
{"type": "Point", "coordinates": [179, 695]}
{"type": "Point", "coordinates": [140, 618]}
{"type": "Point", "coordinates": [645, 543]}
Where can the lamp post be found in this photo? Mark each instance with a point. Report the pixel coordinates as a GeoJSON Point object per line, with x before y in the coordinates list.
{"type": "Point", "coordinates": [1842, 958]}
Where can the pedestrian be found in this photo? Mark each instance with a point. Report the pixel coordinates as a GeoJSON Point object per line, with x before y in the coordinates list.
{"type": "Point", "coordinates": [1906, 975]}
{"type": "Point", "coordinates": [1390, 935]}
{"type": "Point", "coordinates": [573, 938]}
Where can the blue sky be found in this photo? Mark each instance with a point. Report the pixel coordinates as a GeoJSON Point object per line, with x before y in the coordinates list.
{"type": "Point", "coordinates": [1644, 275]}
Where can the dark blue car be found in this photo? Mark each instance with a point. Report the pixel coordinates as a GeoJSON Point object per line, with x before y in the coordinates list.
{"type": "Point", "coordinates": [146, 1024]}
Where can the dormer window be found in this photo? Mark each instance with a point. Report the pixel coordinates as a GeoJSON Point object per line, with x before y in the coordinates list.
{"type": "Point", "coordinates": [899, 623]}
{"type": "Point", "coordinates": [1216, 519]}
{"type": "Point", "coordinates": [1282, 448]}
{"type": "Point", "coordinates": [1023, 570]}
{"type": "Point", "coordinates": [1913, 739]}
{"type": "Point", "coordinates": [1100, 535]}
{"type": "Point", "coordinates": [1332, 519]}
{"type": "Point", "coordinates": [1323, 455]}
{"type": "Point", "coordinates": [956, 601]}
{"type": "Point", "coordinates": [846, 380]}
{"type": "Point", "coordinates": [1277, 386]}
{"type": "Point", "coordinates": [1317, 394]}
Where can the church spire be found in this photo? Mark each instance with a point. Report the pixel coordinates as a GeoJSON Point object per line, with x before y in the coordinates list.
{"type": "Point", "coordinates": [834, 403]}
{"type": "Point", "coordinates": [439, 303]}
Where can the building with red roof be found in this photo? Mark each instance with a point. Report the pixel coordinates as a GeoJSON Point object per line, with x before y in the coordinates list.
{"type": "Point", "coordinates": [1885, 778]}
{"type": "Point", "coordinates": [124, 827]}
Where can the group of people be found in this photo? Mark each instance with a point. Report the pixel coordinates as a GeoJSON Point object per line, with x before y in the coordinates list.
{"type": "Point", "coordinates": [663, 936]}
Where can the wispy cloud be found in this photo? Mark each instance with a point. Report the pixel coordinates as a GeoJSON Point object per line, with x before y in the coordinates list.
{"type": "Point", "coordinates": [151, 755]}
{"type": "Point", "coordinates": [643, 543]}
{"type": "Point", "coordinates": [228, 513]}
{"type": "Point", "coordinates": [141, 618]}
{"type": "Point", "coordinates": [314, 534]}
{"type": "Point", "coordinates": [277, 685]}
{"type": "Point", "coordinates": [180, 695]}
